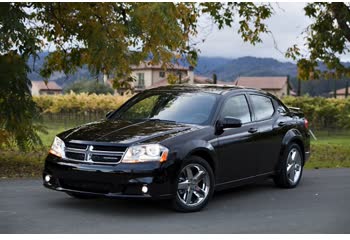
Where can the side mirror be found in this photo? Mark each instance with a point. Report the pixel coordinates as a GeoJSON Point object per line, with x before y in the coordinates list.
{"type": "Point", "coordinates": [109, 114]}
{"type": "Point", "coordinates": [231, 122]}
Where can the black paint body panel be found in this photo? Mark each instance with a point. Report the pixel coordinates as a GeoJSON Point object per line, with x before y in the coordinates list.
{"type": "Point", "coordinates": [236, 155]}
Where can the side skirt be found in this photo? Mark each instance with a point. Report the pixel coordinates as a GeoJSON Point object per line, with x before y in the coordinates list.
{"type": "Point", "coordinates": [243, 181]}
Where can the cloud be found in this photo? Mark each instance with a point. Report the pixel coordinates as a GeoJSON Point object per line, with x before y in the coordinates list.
{"type": "Point", "coordinates": [286, 25]}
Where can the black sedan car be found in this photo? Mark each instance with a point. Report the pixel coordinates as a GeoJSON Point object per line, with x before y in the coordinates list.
{"type": "Point", "coordinates": [181, 143]}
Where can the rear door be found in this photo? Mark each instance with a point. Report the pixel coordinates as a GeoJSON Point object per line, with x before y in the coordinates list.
{"type": "Point", "coordinates": [267, 136]}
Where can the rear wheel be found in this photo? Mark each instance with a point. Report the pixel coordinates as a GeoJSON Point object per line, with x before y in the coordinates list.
{"type": "Point", "coordinates": [291, 167]}
{"type": "Point", "coordinates": [195, 185]}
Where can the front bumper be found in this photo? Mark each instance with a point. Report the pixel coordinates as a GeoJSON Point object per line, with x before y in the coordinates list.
{"type": "Point", "coordinates": [118, 181]}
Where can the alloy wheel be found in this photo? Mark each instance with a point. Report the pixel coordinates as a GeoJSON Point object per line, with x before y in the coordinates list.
{"type": "Point", "coordinates": [193, 185]}
{"type": "Point", "coordinates": [294, 166]}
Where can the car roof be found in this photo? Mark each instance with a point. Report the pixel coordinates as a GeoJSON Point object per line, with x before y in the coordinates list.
{"type": "Point", "coordinates": [212, 88]}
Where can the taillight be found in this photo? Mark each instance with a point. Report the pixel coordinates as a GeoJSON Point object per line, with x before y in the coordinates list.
{"type": "Point", "coordinates": [306, 123]}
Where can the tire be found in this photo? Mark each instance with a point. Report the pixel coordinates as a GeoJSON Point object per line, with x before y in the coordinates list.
{"type": "Point", "coordinates": [81, 195]}
{"type": "Point", "coordinates": [290, 169]}
{"type": "Point", "coordinates": [195, 185]}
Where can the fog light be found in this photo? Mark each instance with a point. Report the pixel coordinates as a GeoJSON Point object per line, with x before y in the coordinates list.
{"type": "Point", "coordinates": [144, 189]}
{"type": "Point", "coordinates": [47, 178]}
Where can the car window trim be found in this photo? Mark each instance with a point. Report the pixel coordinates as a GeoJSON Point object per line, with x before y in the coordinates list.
{"type": "Point", "coordinates": [273, 106]}
{"type": "Point", "coordinates": [278, 103]}
{"type": "Point", "coordinates": [235, 95]}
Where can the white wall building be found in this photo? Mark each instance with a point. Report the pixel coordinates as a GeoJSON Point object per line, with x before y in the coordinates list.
{"type": "Point", "coordinates": [147, 75]}
{"type": "Point", "coordinates": [40, 88]}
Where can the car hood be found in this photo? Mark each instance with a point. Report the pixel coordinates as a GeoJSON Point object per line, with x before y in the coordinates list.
{"type": "Point", "coordinates": [126, 132]}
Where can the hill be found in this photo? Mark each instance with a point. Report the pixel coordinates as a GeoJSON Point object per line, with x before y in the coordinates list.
{"type": "Point", "coordinates": [61, 78]}
{"type": "Point", "coordinates": [230, 69]}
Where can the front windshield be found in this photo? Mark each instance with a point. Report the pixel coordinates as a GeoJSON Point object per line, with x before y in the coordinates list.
{"type": "Point", "coordinates": [182, 107]}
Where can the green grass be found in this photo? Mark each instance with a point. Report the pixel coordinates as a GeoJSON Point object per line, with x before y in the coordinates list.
{"type": "Point", "coordinates": [330, 151]}
{"type": "Point", "coordinates": [55, 127]}
{"type": "Point", "coordinates": [52, 131]}
{"type": "Point", "coordinates": [14, 164]}
{"type": "Point", "coordinates": [332, 140]}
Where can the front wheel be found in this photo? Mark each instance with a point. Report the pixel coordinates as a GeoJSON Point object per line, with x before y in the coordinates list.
{"type": "Point", "coordinates": [195, 185]}
{"type": "Point", "coordinates": [291, 167]}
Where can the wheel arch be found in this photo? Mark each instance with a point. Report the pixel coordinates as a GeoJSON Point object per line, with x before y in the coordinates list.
{"type": "Point", "coordinates": [293, 136]}
{"type": "Point", "coordinates": [202, 153]}
{"type": "Point", "coordinates": [301, 145]}
{"type": "Point", "coordinates": [204, 150]}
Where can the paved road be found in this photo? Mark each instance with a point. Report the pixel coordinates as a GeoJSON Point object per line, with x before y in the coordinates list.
{"type": "Point", "coordinates": [321, 204]}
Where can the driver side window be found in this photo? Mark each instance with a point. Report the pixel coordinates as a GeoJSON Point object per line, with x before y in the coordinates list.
{"type": "Point", "coordinates": [237, 107]}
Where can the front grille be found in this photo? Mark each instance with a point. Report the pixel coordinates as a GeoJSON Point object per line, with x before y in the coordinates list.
{"type": "Point", "coordinates": [109, 148]}
{"type": "Point", "coordinates": [105, 158]}
{"type": "Point", "coordinates": [76, 145]}
{"type": "Point", "coordinates": [74, 155]}
{"type": "Point", "coordinates": [94, 153]}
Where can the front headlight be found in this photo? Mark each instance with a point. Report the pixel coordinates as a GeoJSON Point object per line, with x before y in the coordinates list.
{"type": "Point", "coordinates": [57, 147]}
{"type": "Point", "coordinates": [145, 153]}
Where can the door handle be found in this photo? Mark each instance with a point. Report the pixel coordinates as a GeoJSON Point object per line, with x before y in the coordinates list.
{"type": "Point", "coordinates": [281, 124]}
{"type": "Point", "coordinates": [252, 130]}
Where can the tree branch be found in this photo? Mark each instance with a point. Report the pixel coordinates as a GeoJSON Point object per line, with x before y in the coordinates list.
{"type": "Point", "coordinates": [342, 14]}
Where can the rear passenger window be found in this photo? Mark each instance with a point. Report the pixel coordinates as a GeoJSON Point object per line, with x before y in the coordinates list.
{"type": "Point", "coordinates": [263, 107]}
{"type": "Point", "coordinates": [237, 107]}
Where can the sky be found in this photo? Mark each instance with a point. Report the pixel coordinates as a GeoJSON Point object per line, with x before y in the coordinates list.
{"type": "Point", "coordinates": [286, 24]}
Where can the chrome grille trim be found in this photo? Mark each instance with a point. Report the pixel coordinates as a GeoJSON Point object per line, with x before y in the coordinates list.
{"type": "Point", "coordinates": [96, 163]}
{"type": "Point", "coordinates": [95, 152]}
{"type": "Point", "coordinates": [89, 154]}
{"type": "Point", "coordinates": [75, 150]}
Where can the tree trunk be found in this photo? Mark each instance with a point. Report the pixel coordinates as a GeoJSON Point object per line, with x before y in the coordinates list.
{"type": "Point", "coordinates": [299, 87]}
{"type": "Point", "coordinates": [347, 89]}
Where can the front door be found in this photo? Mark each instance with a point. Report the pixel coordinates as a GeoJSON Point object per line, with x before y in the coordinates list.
{"type": "Point", "coordinates": [236, 145]}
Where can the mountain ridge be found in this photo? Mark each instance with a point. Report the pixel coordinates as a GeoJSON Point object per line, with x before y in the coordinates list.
{"type": "Point", "coordinates": [226, 69]}
{"type": "Point", "coordinates": [230, 69]}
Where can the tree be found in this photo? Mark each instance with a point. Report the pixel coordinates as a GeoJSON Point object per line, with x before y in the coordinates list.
{"type": "Point", "coordinates": [89, 86]}
{"type": "Point", "coordinates": [108, 38]}
{"type": "Point", "coordinates": [327, 38]}
{"type": "Point", "coordinates": [172, 78]}
{"type": "Point", "coordinates": [18, 112]}
{"type": "Point", "coordinates": [215, 78]}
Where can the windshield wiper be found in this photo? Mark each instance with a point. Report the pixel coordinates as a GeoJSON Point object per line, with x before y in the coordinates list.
{"type": "Point", "coordinates": [158, 120]}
